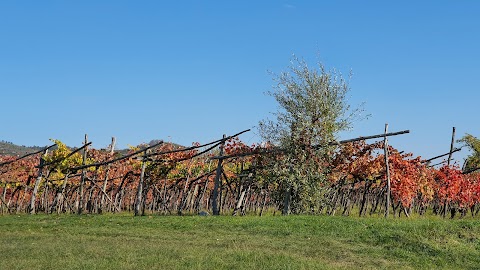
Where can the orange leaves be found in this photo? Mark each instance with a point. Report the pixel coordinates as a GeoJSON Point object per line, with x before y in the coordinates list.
{"type": "Point", "coordinates": [426, 184]}
{"type": "Point", "coordinates": [354, 169]}
{"type": "Point", "coordinates": [356, 161]}
{"type": "Point", "coordinates": [19, 171]}
{"type": "Point", "coordinates": [448, 182]}
{"type": "Point", "coordinates": [409, 178]}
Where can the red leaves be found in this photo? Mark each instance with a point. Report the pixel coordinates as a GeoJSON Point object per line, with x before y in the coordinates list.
{"type": "Point", "coordinates": [355, 166]}
{"type": "Point", "coordinates": [18, 172]}
{"type": "Point", "coordinates": [454, 187]}
{"type": "Point", "coordinates": [235, 146]}
{"type": "Point", "coordinates": [448, 183]}
{"type": "Point", "coordinates": [356, 161]}
{"type": "Point", "coordinates": [409, 178]}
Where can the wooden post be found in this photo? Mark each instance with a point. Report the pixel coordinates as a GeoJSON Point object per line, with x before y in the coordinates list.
{"type": "Point", "coordinates": [104, 188]}
{"type": "Point", "coordinates": [184, 198]}
{"type": "Point", "coordinates": [139, 199]}
{"type": "Point", "coordinates": [239, 204]}
{"type": "Point", "coordinates": [58, 196]}
{"type": "Point", "coordinates": [216, 188]}
{"type": "Point", "coordinates": [200, 204]}
{"type": "Point", "coordinates": [451, 147]}
{"type": "Point", "coordinates": [445, 204]}
{"type": "Point", "coordinates": [37, 183]}
{"type": "Point", "coordinates": [387, 168]}
{"type": "Point", "coordinates": [61, 196]}
{"type": "Point", "coordinates": [82, 179]}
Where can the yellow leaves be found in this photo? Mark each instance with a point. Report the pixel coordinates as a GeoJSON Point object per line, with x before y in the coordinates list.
{"type": "Point", "coordinates": [58, 182]}
{"type": "Point", "coordinates": [133, 148]}
{"type": "Point", "coordinates": [63, 159]}
{"type": "Point", "coordinates": [56, 176]}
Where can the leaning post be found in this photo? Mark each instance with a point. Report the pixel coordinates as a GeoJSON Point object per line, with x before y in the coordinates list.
{"type": "Point", "coordinates": [217, 184]}
{"type": "Point", "coordinates": [387, 169]}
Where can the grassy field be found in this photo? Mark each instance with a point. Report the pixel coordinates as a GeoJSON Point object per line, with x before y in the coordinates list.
{"type": "Point", "coordinates": [194, 242]}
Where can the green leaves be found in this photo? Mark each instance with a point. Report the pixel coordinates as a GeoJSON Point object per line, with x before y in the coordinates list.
{"type": "Point", "coordinates": [473, 160]}
{"type": "Point", "coordinates": [312, 110]}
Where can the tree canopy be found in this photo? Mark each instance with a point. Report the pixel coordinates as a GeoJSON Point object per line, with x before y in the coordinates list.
{"type": "Point", "coordinates": [313, 109]}
{"type": "Point", "coordinates": [473, 160]}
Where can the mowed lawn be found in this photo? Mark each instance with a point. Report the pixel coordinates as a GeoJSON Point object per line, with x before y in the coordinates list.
{"type": "Point", "coordinates": [273, 242]}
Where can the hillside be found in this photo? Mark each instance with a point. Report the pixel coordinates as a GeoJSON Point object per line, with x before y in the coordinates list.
{"type": "Point", "coordinates": [8, 148]}
{"type": "Point", "coordinates": [11, 149]}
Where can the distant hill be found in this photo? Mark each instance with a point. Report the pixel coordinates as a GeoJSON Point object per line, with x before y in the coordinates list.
{"type": "Point", "coordinates": [8, 148]}
{"type": "Point", "coordinates": [11, 149]}
{"type": "Point", "coordinates": [175, 146]}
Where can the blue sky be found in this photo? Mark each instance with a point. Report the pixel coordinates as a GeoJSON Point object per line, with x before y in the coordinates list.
{"type": "Point", "coordinates": [190, 71]}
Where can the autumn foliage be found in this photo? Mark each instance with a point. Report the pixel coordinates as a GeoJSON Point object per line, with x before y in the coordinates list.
{"type": "Point", "coordinates": [179, 180]}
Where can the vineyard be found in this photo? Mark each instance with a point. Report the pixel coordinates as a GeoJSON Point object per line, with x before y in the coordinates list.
{"type": "Point", "coordinates": [229, 177]}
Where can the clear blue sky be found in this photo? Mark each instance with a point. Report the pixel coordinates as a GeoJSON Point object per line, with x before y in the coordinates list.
{"type": "Point", "coordinates": [193, 70]}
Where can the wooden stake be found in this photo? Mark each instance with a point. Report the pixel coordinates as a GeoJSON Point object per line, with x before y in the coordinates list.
{"type": "Point", "coordinates": [139, 199]}
{"type": "Point", "coordinates": [82, 179]}
{"type": "Point", "coordinates": [445, 204]}
{"type": "Point", "coordinates": [451, 147]}
{"type": "Point", "coordinates": [387, 168]}
{"type": "Point", "coordinates": [37, 182]}
{"type": "Point", "coordinates": [216, 188]}
{"type": "Point", "coordinates": [104, 188]}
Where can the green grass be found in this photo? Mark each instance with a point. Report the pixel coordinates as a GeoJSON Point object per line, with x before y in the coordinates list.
{"type": "Point", "coordinates": [193, 242]}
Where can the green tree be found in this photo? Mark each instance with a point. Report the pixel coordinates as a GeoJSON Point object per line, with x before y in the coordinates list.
{"type": "Point", "coordinates": [473, 144]}
{"type": "Point", "coordinates": [313, 109]}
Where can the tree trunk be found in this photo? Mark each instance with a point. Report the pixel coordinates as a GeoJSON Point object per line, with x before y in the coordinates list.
{"type": "Point", "coordinates": [286, 201]}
